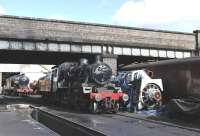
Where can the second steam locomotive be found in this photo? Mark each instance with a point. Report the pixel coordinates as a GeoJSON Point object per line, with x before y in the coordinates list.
{"type": "Point", "coordinates": [17, 85]}
{"type": "Point", "coordinates": [145, 92]}
{"type": "Point", "coordinates": [83, 86]}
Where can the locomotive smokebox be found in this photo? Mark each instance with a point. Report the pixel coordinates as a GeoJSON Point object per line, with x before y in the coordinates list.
{"type": "Point", "coordinates": [23, 81]}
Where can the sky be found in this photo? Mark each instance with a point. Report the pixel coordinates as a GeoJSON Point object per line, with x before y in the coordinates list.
{"type": "Point", "coordinates": [173, 15]}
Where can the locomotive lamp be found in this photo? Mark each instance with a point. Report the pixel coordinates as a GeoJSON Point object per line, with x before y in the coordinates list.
{"type": "Point", "coordinates": [98, 97]}
{"type": "Point", "coordinates": [125, 97]}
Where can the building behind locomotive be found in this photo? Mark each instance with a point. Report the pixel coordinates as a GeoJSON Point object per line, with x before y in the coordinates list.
{"type": "Point", "coordinates": [181, 80]}
{"type": "Point", "coordinates": [181, 77]}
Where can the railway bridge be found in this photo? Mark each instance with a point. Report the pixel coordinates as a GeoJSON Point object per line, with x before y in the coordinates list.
{"type": "Point", "coordinates": [27, 40]}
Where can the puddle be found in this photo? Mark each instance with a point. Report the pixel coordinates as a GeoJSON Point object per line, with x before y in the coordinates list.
{"type": "Point", "coordinates": [62, 126]}
{"type": "Point", "coordinates": [14, 107]}
{"type": "Point", "coordinates": [21, 116]}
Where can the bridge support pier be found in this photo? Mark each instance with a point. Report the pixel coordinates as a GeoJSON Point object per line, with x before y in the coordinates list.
{"type": "Point", "coordinates": [197, 39]}
{"type": "Point", "coordinates": [111, 60]}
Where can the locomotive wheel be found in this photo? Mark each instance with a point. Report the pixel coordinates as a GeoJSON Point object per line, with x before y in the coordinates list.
{"type": "Point", "coordinates": [151, 96]}
{"type": "Point", "coordinates": [94, 107]}
{"type": "Point", "coordinates": [79, 102]}
{"type": "Point", "coordinates": [116, 108]}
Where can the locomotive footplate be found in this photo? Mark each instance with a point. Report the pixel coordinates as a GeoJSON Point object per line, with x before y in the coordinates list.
{"type": "Point", "coordinates": [116, 125]}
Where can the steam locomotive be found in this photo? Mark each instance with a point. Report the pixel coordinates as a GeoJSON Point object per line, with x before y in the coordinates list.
{"type": "Point", "coordinates": [83, 86]}
{"type": "Point", "coordinates": [144, 91]}
{"type": "Point", "coordinates": [17, 85]}
{"type": "Point", "coordinates": [181, 82]}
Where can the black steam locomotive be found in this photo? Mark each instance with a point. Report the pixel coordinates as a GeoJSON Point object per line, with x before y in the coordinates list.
{"type": "Point", "coordinates": [181, 82]}
{"type": "Point", "coordinates": [82, 86]}
{"type": "Point", "coordinates": [17, 85]}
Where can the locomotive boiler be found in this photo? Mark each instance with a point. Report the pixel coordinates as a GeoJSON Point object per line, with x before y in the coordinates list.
{"type": "Point", "coordinates": [97, 74]}
{"type": "Point", "coordinates": [83, 86]}
{"type": "Point", "coordinates": [181, 82]}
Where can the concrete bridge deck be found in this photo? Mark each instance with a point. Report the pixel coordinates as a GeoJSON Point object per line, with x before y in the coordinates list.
{"type": "Point", "coordinates": [23, 28]}
{"type": "Point", "coordinates": [33, 34]}
{"type": "Point", "coordinates": [45, 41]}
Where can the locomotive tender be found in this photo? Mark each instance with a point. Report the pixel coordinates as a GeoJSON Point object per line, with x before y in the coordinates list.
{"type": "Point", "coordinates": [181, 82]}
{"type": "Point", "coordinates": [82, 85]}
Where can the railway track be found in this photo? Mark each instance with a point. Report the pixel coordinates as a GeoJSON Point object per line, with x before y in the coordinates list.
{"type": "Point", "coordinates": [174, 124]}
{"type": "Point", "coordinates": [69, 123]}
{"type": "Point", "coordinates": [107, 124]}
{"type": "Point", "coordinates": [49, 119]}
